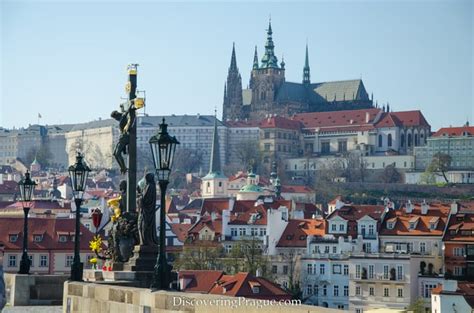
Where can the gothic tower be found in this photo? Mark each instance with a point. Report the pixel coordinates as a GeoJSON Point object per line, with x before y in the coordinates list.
{"type": "Point", "coordinates": [214, 184]}
{"type": "Point", "coordinates": [306, 74]}
{"type": "Point", "coordinates": [232, 106]}
{"type": "Point", "coordinates": [265, 80]}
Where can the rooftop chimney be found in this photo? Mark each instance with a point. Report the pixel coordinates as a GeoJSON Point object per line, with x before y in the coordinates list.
{"type": "Point", "coordinates": [454, 207]}
{"type": "Point", "coordinates": [367, 117]}
{"type": "Point", "coordinates": [424, 208]}
{"type": "Point", "coordinates": [409, 207]}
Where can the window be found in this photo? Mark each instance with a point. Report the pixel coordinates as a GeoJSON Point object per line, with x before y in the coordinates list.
{"type": "Point", "coordinates": [422, 247]}
{"type": "Point", "coordinates": [371, 271]}
{"type": "Point", "coordinates": [358, 271]}
{"type": "Point", "coordinates": [371, 291]}
{"type": "Point", "coordinates": [13, 238]}
{"type": "Point", "coordinates": [341, 227]}
{"type": "Point", "coordinates": [399, 272]}
{"type": "Point", "coordinates": [371, 230]}
{"type": "Point", "coordinates": [336, 291]}
{"type": "Point", "coordinates": [400, 292]}
{"type": "Point", "coordinates": [12, 261]}
{"type": "Point", "coordinates": [427, 290]}
{"type": "Point", "coordinates": [346, 291]}
{"type": "Point", "coordinates": [310, 269]}
{"type": "Point", "coordinates": [309, 289]}
{"type": "Point", "coordinates": [385, 272]}
{"type": "Point", "coordinates": [316, 290]}
{"type": "Point", "coordinates": [274, 269]}
{"type": "Point", "coordinates": [242, 231]}
{"type": "Point", "coordinates": [334, 249]}
{"type": "Point", "coordinates": [31, 260]}
{"type": "Point", "coordinates": [346, 269]}
{"type": "Point", "coordinates": [322, 269]}
{"type": "Point", "coordinates": [386, 292]}
{"type": "Point", "coordinates": [43, 261]}
{"type": "Point", "coordinates": [263, 231]}
{"type": "Point", "coordinates": [380, 141]}
{"type": "Point", "coordinates": [69, 259]}
{"type": "Point", "coordinates": [325, 147]}
{"type": "Point", "coordinates": [357, 290]}
{"type": "Point", "coordinates": [285, 269]}
{"type": "Point", "coordinates": [325, 290]}
{"type": "Point", "coordinates": [267, 135]}
{"type": "Point", "coordinates": [457, 251]}
{"type": "Point", "coordinates": [359, 311]}
{"type": "Point", "coordinates": [62, 238]}
{"type": "Point", "coordinates": [458, 271]}
{"type": "Point", "coordinates": [333, 227]}
{"type": "Point", "coordinates": [340, 306]}
{"type": "Point", "coordinates": [342, 146]}
{"type": "Point", "coordinates": [336, 269]}
{"type": "Point", "coordinates": [389, 140]}
{"type": "Point", "coordinates": [409, 141]}
{"type": "Point", "coordinates": [37, 238]}
{"type": "Point", "coordinates": [233, 231]}
{"type": "Point", "coordinates": [267, 146]}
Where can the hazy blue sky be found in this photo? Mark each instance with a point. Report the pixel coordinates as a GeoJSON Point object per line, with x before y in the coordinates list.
{"type": "Point", "coordinates": [67, 60]}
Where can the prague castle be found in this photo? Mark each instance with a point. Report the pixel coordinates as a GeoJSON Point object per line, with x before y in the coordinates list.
{"type": "Point", "coordinates": [270, 93]}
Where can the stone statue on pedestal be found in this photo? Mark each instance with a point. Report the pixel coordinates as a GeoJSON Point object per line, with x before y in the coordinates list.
{"type": "Point", "coordinates": [147, 212]}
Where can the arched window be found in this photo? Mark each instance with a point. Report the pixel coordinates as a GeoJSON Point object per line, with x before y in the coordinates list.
{"type": "Point", "coordinates": [380, 141]}
{"type": "Point", "coordinates": [402, 140]}
{"type": "Point", "coordinates": [389, 140]}
{"type": "Point", "coordinates": [409, 140]}
{"type": "Point", "coordinates": [416, 139]}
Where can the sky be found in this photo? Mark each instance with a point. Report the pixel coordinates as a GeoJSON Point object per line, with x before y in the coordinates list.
{"type": "Point", "coordinates": [67, 60]}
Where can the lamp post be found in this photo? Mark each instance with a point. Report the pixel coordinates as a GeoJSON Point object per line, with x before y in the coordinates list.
{"type": "Point", "coordinates": [78, 174]}
{"type": "Point", "coordinates": [26, 186]}
{"type": "Point", "coordinates": [163, 147]}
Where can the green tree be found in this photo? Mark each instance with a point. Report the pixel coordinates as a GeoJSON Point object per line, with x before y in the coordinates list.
{"type": "Point", "coordinates": [247, 256]}
{"type": "Point", "coordinates": [42, 154]}
{"type": "Point", "coordinates": [200, 257]}
{"type": "Point", "coordinates": [390, 174]}
{"type": "Point", "coordinates": [418, 306]}
{"type": "Point", "coordinates": [440, 164]}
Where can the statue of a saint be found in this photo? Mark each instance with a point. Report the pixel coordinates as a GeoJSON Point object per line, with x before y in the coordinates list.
{"type": "Point", "coordinates": [147, 212]}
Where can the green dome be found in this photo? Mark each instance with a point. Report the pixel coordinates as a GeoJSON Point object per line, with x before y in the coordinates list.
{"type": "Point", "coordinates": [251, 188]}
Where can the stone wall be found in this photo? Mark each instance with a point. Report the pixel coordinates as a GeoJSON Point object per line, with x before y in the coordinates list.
{"type": "Point", "coordinates": [95, 298]}
{"type": "Point", "coordinates": [34, 289]}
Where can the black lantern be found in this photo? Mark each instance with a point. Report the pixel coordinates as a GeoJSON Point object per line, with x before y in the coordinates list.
{"type": "Point", "coordinates": [26, 186]}
{"type": "Point", "coordinates": [78, 174]}
{"type": "Point", "coordinates": [163, 147]}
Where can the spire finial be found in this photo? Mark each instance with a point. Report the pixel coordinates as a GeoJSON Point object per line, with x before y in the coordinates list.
{"type": "Point", "coordinates": [233, 60]}
{"type": "Point", "coordinates": [215, 166]}
{"type": "Point", "coordinates": [306, 69]}
{"type": "Point", "coordinates": [255, 59]}
{"type": "Point", "coordinates": [269, 59]}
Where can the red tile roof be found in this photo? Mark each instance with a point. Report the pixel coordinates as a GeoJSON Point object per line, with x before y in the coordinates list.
{"type": "Point", "coordinates": [198, 280]}
{"type": "Point", "coordinates": [240, 285]}
{"type": "Point", "coordinates": [437, 214]}
{"type": "Point", "coordinates": [280, 122]}
{"type": "Point", "coordinates": [410, 118]}
{"type": "Point", "coordinates": [338, 118]}
{"type": "Point", "coordinates": [181, 231]}
{"type": "Point", "coordinates": [296, 189]}
{"type": "Point", "coordinates": [352, 213]}
{"type": "Point", "coordinates": [42, 204]}
{"type": "Point", "coordinates": [296, 232]}
{"type": "Point", "coordinates": [9, 187]}
{"type": "Point", "coordinates": [207, 221]}
{"type": "Point", "coordinates": [51, 228]}
{"type": "Point", "coordinates": [454, 131]}
{"type": "Point", "coordinates": [460, 227]}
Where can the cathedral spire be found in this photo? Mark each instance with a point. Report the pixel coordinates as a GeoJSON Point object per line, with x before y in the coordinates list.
{"type": "Point", "coordinates": [215, 166]}
{"type": "Point", "coordinates": [306, 70]}
{"type": "Point", "coordinates": [233, 60]}
{"type": "Point", "coordinates": [269, 59]}
{"type": "Point", "coordinates": [255, 59]}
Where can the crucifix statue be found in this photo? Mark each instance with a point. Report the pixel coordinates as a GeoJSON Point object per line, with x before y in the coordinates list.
{"type": "Point", "coordinates": [127, 143]}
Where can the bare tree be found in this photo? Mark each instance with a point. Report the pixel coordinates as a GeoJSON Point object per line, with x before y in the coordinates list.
{"type": "Point", "coordinates": [440, 164]}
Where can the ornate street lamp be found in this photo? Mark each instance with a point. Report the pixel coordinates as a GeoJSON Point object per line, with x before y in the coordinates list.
{"type": "Point", "coordinates": [78, 174]}
{"type": "Point", "coordinates": [163, 147]}
{"type": "Point", "coordinates": [26, 186]}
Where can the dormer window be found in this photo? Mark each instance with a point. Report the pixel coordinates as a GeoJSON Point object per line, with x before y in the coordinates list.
{"type": "Point", "coordinates": [390, 225]}
{"type": "Point", "coordinates": [12, 237]}
{"type": "Point", "coordinates": [432, 226]}
{"type": "Point", "coordinates": [289, 237]}
{"type": "Point", "coordinates": [62, 238]}
{"type": "Point", "coordinates": [333, 227]}
{"type": "Point", "coordinates": [302, 237]}
{"type": "Point", "coordinates": [412, 225]}
{"type": "Point", "coordinates": [37, 238]}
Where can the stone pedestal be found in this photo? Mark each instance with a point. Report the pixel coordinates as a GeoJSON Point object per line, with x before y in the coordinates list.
{"type": "Point", "coordinates": [143, 259]}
